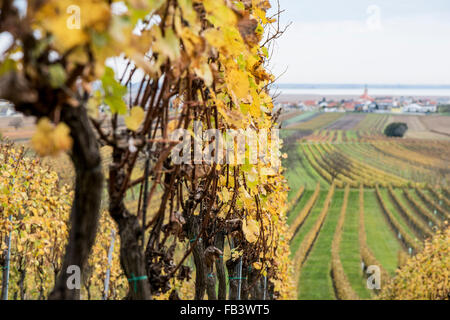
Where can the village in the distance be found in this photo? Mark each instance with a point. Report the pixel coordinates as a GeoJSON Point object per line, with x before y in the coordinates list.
{"type": "Point", "coordinates": [364, 103]}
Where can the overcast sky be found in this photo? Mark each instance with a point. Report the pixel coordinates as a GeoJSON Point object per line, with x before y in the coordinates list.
{"type": "Point", "coordinates": [362, 41]}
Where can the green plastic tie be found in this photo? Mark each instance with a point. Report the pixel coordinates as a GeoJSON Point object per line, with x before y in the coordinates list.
{"type": "Point", "coordinates": [135, 280]}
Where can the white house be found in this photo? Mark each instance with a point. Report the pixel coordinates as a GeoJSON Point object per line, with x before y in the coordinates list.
{"type": "Point", "coordinates": [420, 108]}
{"type": "Point", "coordinates": [6, 109]}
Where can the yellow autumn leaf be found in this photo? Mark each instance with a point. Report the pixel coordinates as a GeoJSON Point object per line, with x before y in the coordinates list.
{"type": "Point", "coordinates": [204, 72]}
{"type": "Point", "coordinates": [191, 41]}
{"type": "Point", "coordinates": [42, 141]}
{"type": "Point", "coordinates": [251, 230]}
{"type": "Point", "coordinates": [237, 82]}
{"type": "Point", "coordinates": [49, 140]}
{"type": "Point", "coordinates": [225, 195]}
{"type": "Point", "coordinates": [168, 45]}
{"type": "Point", "coordinates": [215, 38]}
{"type": "Point", "coordinates": [218, 13]}
{"type": "Point", "coordinates": [260, 14]}
{"type": "Point", "coordinates": [134, 120]}
{"type": "Point", "coordinates": [245, 197]}
{"type": "Point", "coordinates": [257, 265]}
{"type": "Point", "coordinates": [61, 137]}
{"type": "Point", "coordinates": [236, 254]}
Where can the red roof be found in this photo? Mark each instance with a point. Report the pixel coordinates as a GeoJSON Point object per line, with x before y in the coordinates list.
{"type": "Point", "coordinates": [309, 103]}
{"type": "Point", "coordinates": [349, 105]}
{"type": "Point", "coordinates": [332, 104]}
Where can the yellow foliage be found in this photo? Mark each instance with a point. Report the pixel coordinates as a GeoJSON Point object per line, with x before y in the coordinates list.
{"type": "Point", "coordinates": [50, 140]}
{"type": "Point", "coordinates": [39, 207]}
{"type": "Point", "coordinates": [71, 21]}
{"type": "Point", "coordinates": [251, 230]}
{"type": "Point", "coordinates": [134, 120]}
{"type": "Point", "coordinates": [426, 276]}
{"type": "Point", "coordinates": [211, 45]}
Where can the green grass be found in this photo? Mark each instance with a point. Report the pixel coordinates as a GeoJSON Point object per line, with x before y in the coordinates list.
{"type": "Point", "coordinates": [407, 205]}
{"type": "Point", "coordinates": [351, 135]}
{"type": "Point", "coordinates": [433, 199]}
{"type": "Point", "coordinates": [285, 133]}
{"type": "Point", "coordinates": [355, 151]}
{"type": "Point", "coordinates": [308, 223]}
{"type": "Point", "coordinates": [380, 238]}
{"type": "Point", "coordinates": [415, 196]}
{"type": "Point", "coordinates": [393, 209]}
{"type": "Point", "coordinates": [315, 280]}
{"type": "Point", "coordinates": [312, 177]}
{"type": "Point", "coordinates": [299, 205]}
{"type": "Point", "coordinates": [295, 181]}
{"type": "Point", "coordinates": [303, 150]}
{"type": "Point", "coordinates": [349, 247]}
{"type": "Point", "coordinates": [299, 171]}
{"type": "Point", "coordinates": [293, 175]}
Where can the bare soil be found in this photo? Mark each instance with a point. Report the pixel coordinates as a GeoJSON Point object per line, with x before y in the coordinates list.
{"type": "Point", "coordinates": [413, 122]}
{"type": "Point", "coordinates": [425, 127]}
{"type": "Point", "coordinates": [25, 132]}
{"type": "Point", "coordinates": [348, 122]}
{"type": "Point", "coordinates": [438, 124]}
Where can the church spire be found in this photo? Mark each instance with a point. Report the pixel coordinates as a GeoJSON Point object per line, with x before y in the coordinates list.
{"type": "Point", "coordinates": [366, 96]}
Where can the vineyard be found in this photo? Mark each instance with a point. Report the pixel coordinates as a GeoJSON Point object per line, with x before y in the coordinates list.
{"type": "Point", "coordinates": [359, 199]}
{"type": "Point", "coordinates": [164, 177]}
